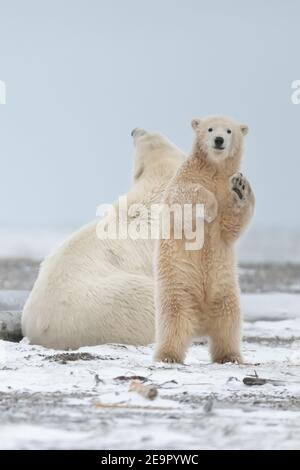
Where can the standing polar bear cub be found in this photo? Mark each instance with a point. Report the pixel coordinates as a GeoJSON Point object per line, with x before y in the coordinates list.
{"type": "Point", "coordinates": [197, 291]}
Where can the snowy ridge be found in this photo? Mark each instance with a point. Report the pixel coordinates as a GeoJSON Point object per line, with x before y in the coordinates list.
{"type": "Point", "coordinates": [257, 245]}
{"type": "Point", "coordinates": [33, 244]}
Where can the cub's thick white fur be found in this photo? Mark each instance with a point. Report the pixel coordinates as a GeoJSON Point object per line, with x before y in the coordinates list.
{"type": "Point", "coordinates": [197, 291]}
{"type": "Point", "coordinates": [93, 291]}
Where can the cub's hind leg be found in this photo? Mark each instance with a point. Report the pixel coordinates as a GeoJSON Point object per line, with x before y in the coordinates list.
{"type": "Point", "coordinates": [174, 327]}
{"type": "Point", "coordinates": [225, 329]}
{"type": "Point", "coordinates": [174, 306]}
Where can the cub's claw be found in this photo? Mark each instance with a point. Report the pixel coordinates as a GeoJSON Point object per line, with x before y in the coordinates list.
{"type": "Point", "coordinates": [233, 358]}
{"type": "Point", "coordinates": [168, 358]}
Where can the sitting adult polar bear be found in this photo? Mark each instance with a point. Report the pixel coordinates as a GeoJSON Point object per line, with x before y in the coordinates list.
{"type": "Point", "coordinates": [93, 291]}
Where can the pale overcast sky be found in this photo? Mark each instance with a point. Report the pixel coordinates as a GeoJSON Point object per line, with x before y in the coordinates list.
{"type": "Point", "coordinates": [80, 74]}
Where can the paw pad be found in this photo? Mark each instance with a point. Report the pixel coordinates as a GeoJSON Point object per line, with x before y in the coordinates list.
{"type": "Point", "coordinates": [239, 185]}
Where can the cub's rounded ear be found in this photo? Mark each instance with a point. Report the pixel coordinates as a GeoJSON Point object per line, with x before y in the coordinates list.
{"type": "Point", "coordinates": [244, 129]}
{"type": "Point", "coordinates": [195, 123]}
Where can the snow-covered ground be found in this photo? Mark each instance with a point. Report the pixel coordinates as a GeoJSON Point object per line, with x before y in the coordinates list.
{"type": "Point", "coordinates": [79, 400]}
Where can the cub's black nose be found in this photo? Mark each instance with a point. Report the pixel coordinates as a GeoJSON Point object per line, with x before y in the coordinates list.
{"type": "Point", "coordinates": [219, 141]}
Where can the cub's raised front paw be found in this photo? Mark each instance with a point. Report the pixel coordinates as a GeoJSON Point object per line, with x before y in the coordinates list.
{"type": "Point", "coordinates": [211, 209]}
{"type": "Point", "coordinates": [240, 187]}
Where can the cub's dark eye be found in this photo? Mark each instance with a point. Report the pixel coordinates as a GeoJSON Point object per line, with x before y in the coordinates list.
{"type": "Point", "coordinates": [210, 129]}
{"type": "Point", "coordinates": [228, 131]}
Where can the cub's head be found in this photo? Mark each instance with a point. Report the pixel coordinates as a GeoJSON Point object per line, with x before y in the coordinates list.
{"type": "Point", "coordinates": [219, 138]}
